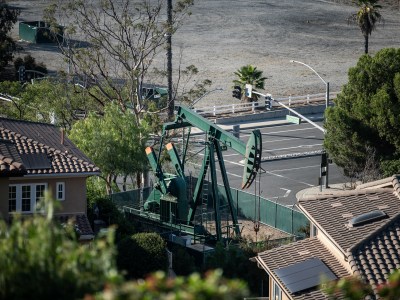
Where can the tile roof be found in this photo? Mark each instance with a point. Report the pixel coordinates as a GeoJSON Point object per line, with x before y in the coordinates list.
{"type": "Point", "coordinates": [297, 252]}
{"type": "Point", "coordinates": [332, 214]}
{"type": "Point", "coordinates": [10, 160]}
{"type": "Point", "coordinates": [378, 255]}
{"type": "Point", "coordinates": [372, 249]}
{"type": "Point", "coordinates": [32, 138]}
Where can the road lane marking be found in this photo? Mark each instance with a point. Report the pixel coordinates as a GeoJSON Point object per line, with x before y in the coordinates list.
{"type": "Point", "coordinates": [295, 147]}
{"type": "Point", "coordinates": [290, 139]}
{"type": "Point", "coordinates": [292, 169]}
{"type": "Point", "coordinates": [287, 192]}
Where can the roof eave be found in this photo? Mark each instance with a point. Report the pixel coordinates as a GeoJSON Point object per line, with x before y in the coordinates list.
{"type": "Point", "coordinates": [60, 175]}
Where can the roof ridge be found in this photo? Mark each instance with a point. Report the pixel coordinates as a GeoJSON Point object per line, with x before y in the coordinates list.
{"type": "Point", "coordinates": [27, 121]}
{"type": "Point", "coordinates": [336, 194]}
{"type": "Point", "coordinates": [396, 184]}
{"type": "Point", "coordinates": [373, 233]}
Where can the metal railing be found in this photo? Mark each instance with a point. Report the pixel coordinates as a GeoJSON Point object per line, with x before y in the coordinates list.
{"type": "Point", "coordinates": [253, 106]}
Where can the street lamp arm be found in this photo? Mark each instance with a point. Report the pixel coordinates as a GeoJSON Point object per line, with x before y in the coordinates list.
{"type": "Point", "coordinates": [304, 64]}
{"type": "Point", "coordinates": [205, 94]}
{"type": "Point", "coordinates": [295, 112]}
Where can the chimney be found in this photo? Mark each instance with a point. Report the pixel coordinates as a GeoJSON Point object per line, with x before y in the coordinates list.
{"type": "Point", "coordinates": [62, 136]}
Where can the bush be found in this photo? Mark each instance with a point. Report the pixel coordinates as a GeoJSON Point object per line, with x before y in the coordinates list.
{"type": "Point", "coordinates": [40, 261]}
{"type": "Point", "coordinates": [142, 254]}
{"type": "Point", "coordinates": [183, 263]}
{"type": "Point", "coordinates": [109, 213]}
{"type": "Point", "coordinates": [235, 263]}
{"type": "Point", "coordinates": [158, 286]}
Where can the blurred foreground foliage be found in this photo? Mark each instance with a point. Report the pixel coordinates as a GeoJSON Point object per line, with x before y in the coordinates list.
{"type": "Point", "coordinates": [42, 259]}
{"type": "Point", "coordinates": [159, 286]}
{"type": "Point", "coordinates": [354, 289]}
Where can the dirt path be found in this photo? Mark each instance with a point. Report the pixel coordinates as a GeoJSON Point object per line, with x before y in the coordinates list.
{"type": "Point", "coordinates": [221, 36]}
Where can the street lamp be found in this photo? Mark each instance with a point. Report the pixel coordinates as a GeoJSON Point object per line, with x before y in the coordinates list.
{"type": "Point", "coordinates": [326, 83]}
{"type": "Point", "coordinates": [324, 158]}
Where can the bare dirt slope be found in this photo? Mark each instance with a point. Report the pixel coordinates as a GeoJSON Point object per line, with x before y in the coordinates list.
{"type": "Point", "coordinates": [221, 36]}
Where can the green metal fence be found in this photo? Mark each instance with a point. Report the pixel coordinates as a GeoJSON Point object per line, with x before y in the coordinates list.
{"type": "Point", "coordinates": [131, 198]}
{"type": "Point", "coordinates": [270, 213]}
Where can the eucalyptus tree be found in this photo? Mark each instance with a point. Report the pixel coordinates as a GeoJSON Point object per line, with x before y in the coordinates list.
{"type": "Point", "coordinates": [366, 17]}
{"type": "Point", "coordinates": [249, 75]}
{"type": "Point", "coordinates": [112, 44]}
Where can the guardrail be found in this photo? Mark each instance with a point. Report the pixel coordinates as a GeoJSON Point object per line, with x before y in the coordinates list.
{"type": "Point", "coordinates": [253, 106]}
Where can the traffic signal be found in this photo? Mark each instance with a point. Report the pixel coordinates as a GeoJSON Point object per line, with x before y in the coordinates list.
{"type": "Point", "coordinates": [268, 102]}
{"type": "Point", "coordinates": [237, 92]}
{"type": "Point", "coordinates": [21, 73]}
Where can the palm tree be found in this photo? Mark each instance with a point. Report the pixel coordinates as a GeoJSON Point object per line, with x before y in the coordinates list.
{"type": "Point", "coordinates": [366, 17]}
{"type": "Point", "coordinates": [249, 75]}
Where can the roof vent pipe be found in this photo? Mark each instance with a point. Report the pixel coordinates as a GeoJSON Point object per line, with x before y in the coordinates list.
{"type": "Point", "coordinates": [62, 136]}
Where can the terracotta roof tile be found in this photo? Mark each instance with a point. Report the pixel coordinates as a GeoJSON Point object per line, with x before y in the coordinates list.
{"type": "Point", "coordinates": [297, 252]}
{"type": "Point", "coordinates": [334, 220]}
{"type": "Point", "coordinates": [10, 160]}
{"type": "Point", "coordinates": [32, 137]}
{"type": "Point", "coordinates": [378, 255]}
{"type": "Point", "coordinates": [372, 249]}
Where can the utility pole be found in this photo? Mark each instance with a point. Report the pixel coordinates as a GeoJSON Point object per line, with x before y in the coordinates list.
{"type": "Point", "coordinates": [171, 104]}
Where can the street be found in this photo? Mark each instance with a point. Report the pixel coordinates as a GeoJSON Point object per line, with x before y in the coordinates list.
{"type": "Point", "coordinates": [281, 176]}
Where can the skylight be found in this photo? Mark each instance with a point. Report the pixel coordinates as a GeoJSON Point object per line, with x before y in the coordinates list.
{"type": "Point", "coordinates": [368, 217]}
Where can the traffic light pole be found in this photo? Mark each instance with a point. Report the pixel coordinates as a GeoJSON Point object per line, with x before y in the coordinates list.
{"type": "Point", "coordinates": [324, 164]}
{"type": "Point", "coordinates": [293, 111]}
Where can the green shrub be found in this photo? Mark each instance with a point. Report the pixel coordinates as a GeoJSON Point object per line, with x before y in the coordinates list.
{"type": "Point", "coordinates": [40, 261]}
{"type": "Point", "coordinates": [109, 213]}
{"type": "Point", "coordinates": [183, 263]}
{"type": "Point", "coordinates": [235, 263]}
{"type": "Point", "coordinates": [158, 286]}
{"type": "Point", "coordinates": [141, 254]}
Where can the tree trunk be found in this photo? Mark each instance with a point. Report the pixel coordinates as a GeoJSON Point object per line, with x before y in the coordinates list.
{"type": "Point", "coordinates": [139, 180]}
{"type": "Point", "coordinates": [115, 182]}
{"type": "Point", "coordinates": [366, 43]}
{"type": "Point", "coordinates": [108, 182]}
{"type": "Point", "coordinates": [171, 105]}
{"type": "Point", "coordinates": [124, 183]}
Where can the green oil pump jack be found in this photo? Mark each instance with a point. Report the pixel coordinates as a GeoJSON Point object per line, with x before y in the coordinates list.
{"type": "Point", "coordinates": [173, 203]}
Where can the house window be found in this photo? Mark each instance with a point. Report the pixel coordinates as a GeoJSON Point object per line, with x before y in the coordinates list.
{"type": "Point", "coordinates": [40, 190]}
{"type": "Point", "coordinates": [12, 198]}
{"type": "Point", "coordinates": [60, 191]}
{"type": "Point", "coordinates": [277, 292]}
{"type": "Point", "coordinates": [24, 197]}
